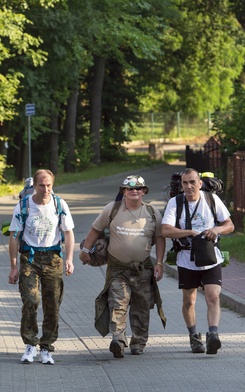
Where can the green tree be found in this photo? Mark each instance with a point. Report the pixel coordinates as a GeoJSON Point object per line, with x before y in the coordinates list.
{"type": "Point", "coordinates": [120, 27]}
{"type": "Point", "coordinates": [230, 127]}
{"type": "Point", "coordinates": [19, 51]}
{"type": "Point", "coordinates": [17, 44]}
{"type": "Point", "coordinates": [50, 86]}
{"type": "Point", "coordinates": [103, 56]}
{"type": "Point", "coordinates": [204, 55]}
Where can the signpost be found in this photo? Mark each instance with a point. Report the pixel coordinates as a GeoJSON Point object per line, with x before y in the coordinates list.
{"type": "Point", "coordinates": [29, 111]}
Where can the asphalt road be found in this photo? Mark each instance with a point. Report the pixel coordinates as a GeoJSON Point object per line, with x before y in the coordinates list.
{"type": "Point", "coordinates": [86, 199]}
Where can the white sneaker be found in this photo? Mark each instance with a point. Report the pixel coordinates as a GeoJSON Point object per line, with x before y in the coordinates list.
{"type": "Point", "coordinates": [29, 354]}
{"type": "Point", "coordinates": [46, 357]}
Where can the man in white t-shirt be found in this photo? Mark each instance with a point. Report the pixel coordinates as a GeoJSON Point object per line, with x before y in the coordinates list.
{"type": "Point", "coordinates": [40, 263]}
{"type": "Point", "coordinates": [130, 273]}
{"type": "Point", "coordinates": [191, 276]}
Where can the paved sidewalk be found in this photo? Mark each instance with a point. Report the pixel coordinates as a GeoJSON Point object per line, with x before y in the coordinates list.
{"type": "Point", "coordinates": [82, 359]}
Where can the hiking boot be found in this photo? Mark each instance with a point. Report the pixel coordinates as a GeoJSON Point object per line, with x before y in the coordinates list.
{"type": "Point", "coordinates": [213, 342]}
{"type": "Point", "coordinates": [117, 348]}
{"type": "Point", "coordinates": [136, 351]}
{"type": "Point", "coordinates": [196, 343]}
{"type": "Point", "coordinates": [46, 357]}
{"type": "Point", "coordinates": [29, 354]}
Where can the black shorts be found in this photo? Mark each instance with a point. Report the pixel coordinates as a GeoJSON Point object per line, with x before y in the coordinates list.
{"type": "Point", "coordinates": [190, 279]}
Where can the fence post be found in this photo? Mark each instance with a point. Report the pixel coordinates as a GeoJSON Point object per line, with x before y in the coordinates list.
{"type": "Point", "coordinates": [239, 188]}
{"type": "Point", "coordinates": [152, 124]}
{"type": "Point", "coordinates": [178, 124]}
{"type": "Point", "coordinates": [209, 121]}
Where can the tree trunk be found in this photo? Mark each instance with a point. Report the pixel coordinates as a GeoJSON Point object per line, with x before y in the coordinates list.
{"type": "Point", "coordinates": [24, 163]}
{"type": "Point", "coordinates": [96, 102]}
{"type": "Point", "coordinates": [54, 145]}
{"type": "Point", "coordinates": [3, 149]}
{"type": "Point", "coordinates": [70, 131]}
{"type": "Point", "coordinates": [21, 157]}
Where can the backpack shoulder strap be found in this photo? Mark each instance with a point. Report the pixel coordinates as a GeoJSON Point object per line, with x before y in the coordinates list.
{"type": "Point", "coordinates": [23, 215]}
{"type": "Point", "coordinates": [24, 209]}
{"type": "Point", "coordinates": [114, 210]}
{"type": "Point", "coordinates": [58, 207]}
{"type": "Point", "coordinates": [117, 205]}
{"type": "Point", "coordinates": [210, 200]}
{"type": "Point", "coordinates": [151, 211]}
{"type": "Point", "coordinates": [179, 207]}
{"type": "Point", "coordinates": [59, 212]}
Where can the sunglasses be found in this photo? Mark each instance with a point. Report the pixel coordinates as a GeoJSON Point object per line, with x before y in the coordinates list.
{"type": "Point", "coordinates": [138, 188]}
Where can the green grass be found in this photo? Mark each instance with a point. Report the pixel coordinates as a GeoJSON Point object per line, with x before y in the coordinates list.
{"type": "Point", "coordinates": [185, 131]}
{"type": "Point", "coordinates": [10, 189]}
{"type": "Point", "coordinates": [173, 156]}
{"type": "Point", "coordinates": [234, 244]}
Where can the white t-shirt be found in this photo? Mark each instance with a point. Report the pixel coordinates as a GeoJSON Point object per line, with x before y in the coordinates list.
{"type": "Point", "coordinates": [203, 219]}
{"type": "Point", "coordinates": [41, 227]}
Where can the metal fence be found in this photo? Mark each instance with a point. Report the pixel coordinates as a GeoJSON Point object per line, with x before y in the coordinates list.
{"type": "Point", "coordinates": [239, 188]}
{"type": "Point", "coordinates": [231, 169]}
{"type": "Point", "coordinates": [153, 125]}
{"type": "Point", "coordinates": [207, 158]}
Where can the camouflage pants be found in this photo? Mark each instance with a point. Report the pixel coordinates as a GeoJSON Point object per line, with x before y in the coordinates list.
{"type": "Point", "coordinates": [44, 274]}
{"type": "Point", "coordinates": [133, 292]}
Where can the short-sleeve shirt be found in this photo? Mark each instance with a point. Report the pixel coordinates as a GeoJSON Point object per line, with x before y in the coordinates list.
{"type": "Point", "coordinates": [203, 219]}
{"type": "Point", "coordinates": [41, 227]}
{"type": "Point", "coordinates": [130, 234]}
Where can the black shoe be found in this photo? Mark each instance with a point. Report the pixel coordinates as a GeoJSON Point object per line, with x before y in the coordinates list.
{"type": "Point", "coordinates": [213, 342]}
{"type": "Point", "coordinates": [196, 343]}
{"type": "Point", "coordinates": [117, 348]}
{"type": "Point", "coordinates": [136, 351]}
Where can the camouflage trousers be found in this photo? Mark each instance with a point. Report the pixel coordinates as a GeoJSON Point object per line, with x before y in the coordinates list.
{"type": "Point", "coordinates": [133, 292]}
{"type": "Point", "coordinates": [41, 278]}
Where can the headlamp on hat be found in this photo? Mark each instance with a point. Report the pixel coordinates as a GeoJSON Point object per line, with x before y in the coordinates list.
{"type": "Point", "coordinates": [134, 181]}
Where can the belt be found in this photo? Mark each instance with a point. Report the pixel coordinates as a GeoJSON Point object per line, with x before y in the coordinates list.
{"type": "Point", "coordinates": [33, 249]}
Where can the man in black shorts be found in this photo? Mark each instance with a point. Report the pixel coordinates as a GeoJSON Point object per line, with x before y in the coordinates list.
{"type": "Point", "coordinates": [197, 210]}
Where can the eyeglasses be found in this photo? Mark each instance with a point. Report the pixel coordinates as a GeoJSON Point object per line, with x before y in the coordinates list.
{"type": "Point", "coordinates": [138, 188]}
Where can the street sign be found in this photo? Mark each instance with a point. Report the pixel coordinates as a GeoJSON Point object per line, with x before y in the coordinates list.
{"type": "Point", "coordinates": [30, 109]}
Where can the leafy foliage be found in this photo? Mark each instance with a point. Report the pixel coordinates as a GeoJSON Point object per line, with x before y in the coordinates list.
{"type": "Point", "coordinates": [230, 128]}
{"type": "Point", "coordinates": [15, 45]}
{"type": "Point", "coordinates": [161, 55]}
{"type": "Point", "coordinates": [203, 56]}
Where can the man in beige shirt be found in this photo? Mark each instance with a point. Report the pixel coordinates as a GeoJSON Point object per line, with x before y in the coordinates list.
{"type": "Point", "coordinates": [130, 271]}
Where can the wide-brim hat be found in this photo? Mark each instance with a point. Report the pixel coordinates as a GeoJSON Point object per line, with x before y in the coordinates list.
{"type": "Point", "coordinates": [134, 181]}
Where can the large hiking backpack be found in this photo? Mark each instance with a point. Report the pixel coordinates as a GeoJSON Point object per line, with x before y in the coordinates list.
{"type": "Point", "coordinates": [210, 183]}
{"type": "Point", "coordinates": [27, 190]}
